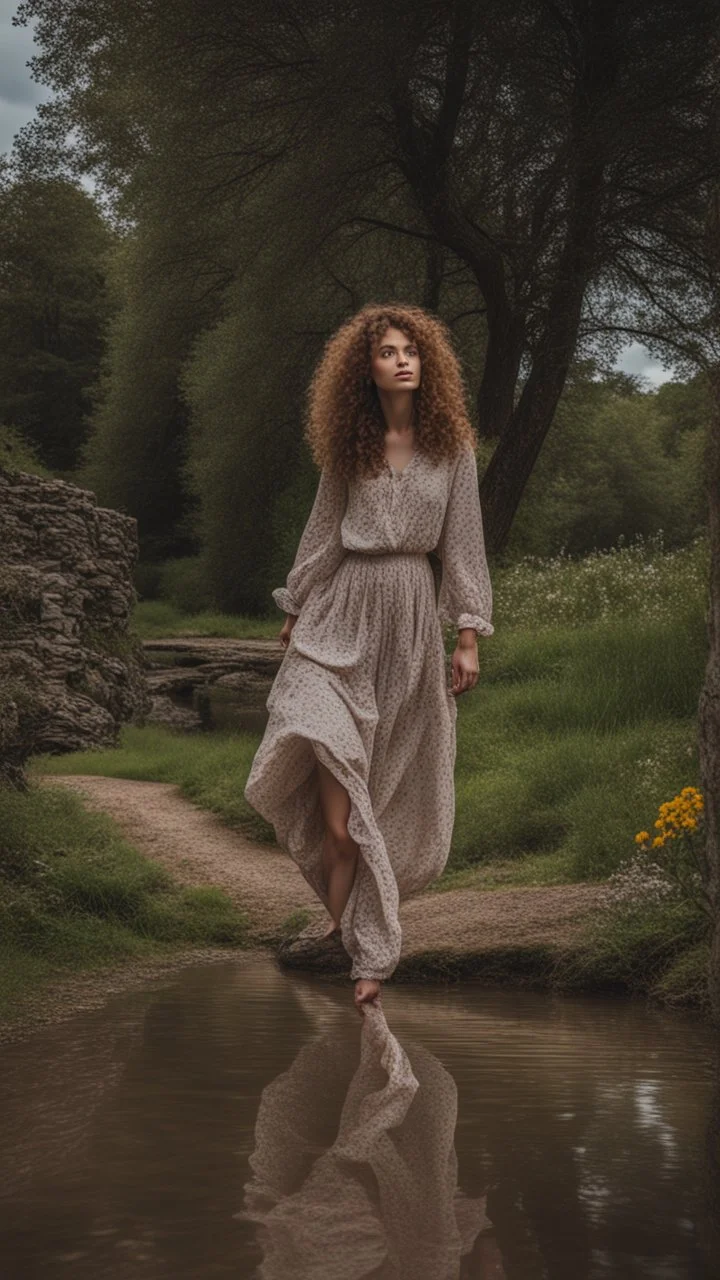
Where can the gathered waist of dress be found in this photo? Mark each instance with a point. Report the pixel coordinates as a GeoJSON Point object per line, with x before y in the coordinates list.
{"type": "Point", "coordinates": [352, 551]}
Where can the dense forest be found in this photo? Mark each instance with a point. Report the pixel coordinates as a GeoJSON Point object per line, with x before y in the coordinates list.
{"type": "Point", "coordinates": [538, 176]}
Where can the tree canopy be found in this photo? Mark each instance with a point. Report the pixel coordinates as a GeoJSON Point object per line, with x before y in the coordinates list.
{"type": "Point", "coordinates": [537, 172]}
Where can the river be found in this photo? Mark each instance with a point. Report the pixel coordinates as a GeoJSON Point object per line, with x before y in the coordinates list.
{"type": "Point", "coordinates": [241, 1121]}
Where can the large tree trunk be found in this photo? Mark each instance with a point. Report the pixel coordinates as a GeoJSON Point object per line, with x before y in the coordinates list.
{"type": "Point", "coordinates": [709, 706]}
{"type": "Point", "coordinates": [517, 450]}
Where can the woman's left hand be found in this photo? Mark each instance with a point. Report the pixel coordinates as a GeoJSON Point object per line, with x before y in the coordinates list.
{"type": "Point", "coordinates": [465, 665]}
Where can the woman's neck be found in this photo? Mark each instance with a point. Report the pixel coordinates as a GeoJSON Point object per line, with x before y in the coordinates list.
{"type": "Point", "coordinates": [398, 409]}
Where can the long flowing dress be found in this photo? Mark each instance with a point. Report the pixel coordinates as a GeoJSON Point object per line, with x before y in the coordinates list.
{"type": "Point", "coordinates": [362, 685]}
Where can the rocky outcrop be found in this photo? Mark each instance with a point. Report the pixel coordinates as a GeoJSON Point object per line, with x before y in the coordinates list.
{"type": "Point", "coordinates": [70, 669]}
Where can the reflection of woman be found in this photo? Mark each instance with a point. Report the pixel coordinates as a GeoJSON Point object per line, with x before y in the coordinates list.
{"type": "Point", "coordinates": [355, 769]}
{"type": "Point", "coordinates": [354, 1168]}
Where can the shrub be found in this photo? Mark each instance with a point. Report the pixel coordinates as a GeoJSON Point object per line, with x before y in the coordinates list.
{"type": "Point", "coordinates": [184, 582]}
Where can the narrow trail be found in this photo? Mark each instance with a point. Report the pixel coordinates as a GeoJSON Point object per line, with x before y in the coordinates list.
{"type": "Point", "coordinates": [198, 849]}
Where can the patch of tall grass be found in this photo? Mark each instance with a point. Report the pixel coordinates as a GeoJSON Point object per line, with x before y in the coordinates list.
{"type": "Point", "coordinates": [639, 579]}
{"type": "Point", "coordinates": [659, 951]}
{"type": "Point", "coordinates": [571, 734]}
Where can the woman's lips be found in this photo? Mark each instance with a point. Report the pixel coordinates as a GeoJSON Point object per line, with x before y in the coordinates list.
{"type": "Point", "coordinates": [403, 375]}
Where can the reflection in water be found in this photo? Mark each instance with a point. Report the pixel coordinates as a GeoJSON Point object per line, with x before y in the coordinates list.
{"type": "Point", "coordinates": [382, 1200]}
{"type": "Point", "coordinates": [240, 1122]}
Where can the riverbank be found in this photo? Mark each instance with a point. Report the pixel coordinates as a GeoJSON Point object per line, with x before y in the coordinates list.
{"type": "Point", "coordinates": [529, 935]}
{"type": "Point", "coordinates": [62, 998]}
{"type": "Point", "coordinates": [198, 849]}
{"type": "Point", "coordinates": [584, 721]}
{"type": "Point", "coordinates": [532, 936]}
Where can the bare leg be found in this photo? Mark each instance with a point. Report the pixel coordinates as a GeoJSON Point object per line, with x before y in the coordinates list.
{"type": "Point", "coordinates": [330, 866]}
{"type": "Point", "coordinates": [340, 851]}
{"type": "Point", "coordinates": [340, 857]}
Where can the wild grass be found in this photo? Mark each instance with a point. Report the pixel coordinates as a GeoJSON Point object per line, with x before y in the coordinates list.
{"type": "Point", "coordinates": [639, 579]}
{"type": "Point", "coordinates": [659, 951]}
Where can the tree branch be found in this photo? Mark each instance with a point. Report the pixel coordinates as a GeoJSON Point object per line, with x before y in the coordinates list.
{"type": "Point", "coordinates": [457, 65]}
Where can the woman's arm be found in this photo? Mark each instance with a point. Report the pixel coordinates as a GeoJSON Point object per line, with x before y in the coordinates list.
{"type": "Point", "coordinates": [465, 595]}
{"type": "Point", "coordinates": [320, 549]}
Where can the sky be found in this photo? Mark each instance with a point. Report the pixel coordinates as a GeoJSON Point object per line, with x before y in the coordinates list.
{"type": "Point", "coordinates": [20, 95]}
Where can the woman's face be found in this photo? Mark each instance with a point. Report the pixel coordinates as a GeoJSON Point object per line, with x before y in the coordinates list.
{"type": "Point", "coordinates": [395, 362]}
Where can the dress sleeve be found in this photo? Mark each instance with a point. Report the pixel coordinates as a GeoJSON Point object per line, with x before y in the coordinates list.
{"type": "Point", "coordinates": [465, 594]}
{"type": "Point", "coordinates": [320, 549]}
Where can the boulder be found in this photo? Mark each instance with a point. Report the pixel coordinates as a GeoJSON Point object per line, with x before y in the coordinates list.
{"type": "Point", "coordinates": [71, 670]}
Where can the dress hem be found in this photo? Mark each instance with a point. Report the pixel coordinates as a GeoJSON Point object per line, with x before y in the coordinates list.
{"type": "Point", "coordinates": [364, 831]}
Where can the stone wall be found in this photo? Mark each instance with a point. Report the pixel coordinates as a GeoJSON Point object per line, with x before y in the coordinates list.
{"type": "Point", "coordinates": [70, 670]}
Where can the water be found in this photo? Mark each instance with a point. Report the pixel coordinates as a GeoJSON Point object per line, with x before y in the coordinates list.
{"type": "Point", "coordinates": [238, 1121]}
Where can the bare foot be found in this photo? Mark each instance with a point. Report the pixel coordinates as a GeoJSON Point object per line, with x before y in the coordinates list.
{"type": "Point", "coordinates": [366, 990]}
{"type": "Point", "coordinates": [332, 928]}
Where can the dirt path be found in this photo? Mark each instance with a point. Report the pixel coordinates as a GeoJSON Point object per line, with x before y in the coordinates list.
{"type": "Point", "coordinates": [199, 849]}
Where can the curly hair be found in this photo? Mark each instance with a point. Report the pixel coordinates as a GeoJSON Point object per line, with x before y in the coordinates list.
{"type": "Point", "coordinates": [344, 423]}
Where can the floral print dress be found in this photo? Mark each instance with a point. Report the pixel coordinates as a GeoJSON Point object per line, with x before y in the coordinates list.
{"type": "Point", "coordinates": [363, 685]}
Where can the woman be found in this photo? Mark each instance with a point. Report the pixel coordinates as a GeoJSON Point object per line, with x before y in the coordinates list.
{"type": "Point", "coordinates": [356, 767]}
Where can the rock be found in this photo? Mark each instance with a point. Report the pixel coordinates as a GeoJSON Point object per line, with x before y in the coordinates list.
{"type": "Point", "coordinates": [71, 671]}
{"type": "Point", "coordinates": [309, 950]}
{"type": "Point", "coordinates": [167, 713]}
{"type": "Point", "coordinates": [244, 669]}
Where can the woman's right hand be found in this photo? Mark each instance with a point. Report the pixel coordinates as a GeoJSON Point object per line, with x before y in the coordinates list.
{"type": "Point", "coordinates": [288, 624]}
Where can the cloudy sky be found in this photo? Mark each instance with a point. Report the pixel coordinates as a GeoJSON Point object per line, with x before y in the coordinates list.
{"type": "Point", "coordinates": [19, 96]}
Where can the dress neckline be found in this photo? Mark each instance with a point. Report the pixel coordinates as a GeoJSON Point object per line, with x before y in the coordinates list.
{"type": "Point", "coordinates": [407, 466]}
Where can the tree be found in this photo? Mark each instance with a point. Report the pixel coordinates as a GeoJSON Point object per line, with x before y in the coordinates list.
{"type": "Point", "coordinates": [709, 706]}
{"type": "Point", "coordinates": [53, 310]}
{"type": "Point", "coordinates": [549, 157]}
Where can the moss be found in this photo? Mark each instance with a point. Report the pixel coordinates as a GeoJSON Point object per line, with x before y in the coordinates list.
{"type": "Point", "coordinates": [125, 645]}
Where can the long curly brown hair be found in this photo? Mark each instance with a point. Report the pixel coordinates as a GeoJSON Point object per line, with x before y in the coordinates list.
{"type": "Point", "coordinates": [344, 422]}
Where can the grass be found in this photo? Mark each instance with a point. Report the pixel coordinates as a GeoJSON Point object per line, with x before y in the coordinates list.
{"type": "Point", "coordinates": [583, 721]}
{"type": "Point", "coordinates": [534, 869]}
{"type": "Point", "coordinates": [638, 580]}
{"type": "Point", "coordinates": [566, 745]}
{"type": "Point", "coordinates": [76, 897]}
{"type": "Point", "coordinates": [661, 952]}
{"type": "Point", "coordinates": [572, 737]}
{"type": "Point", "coordinates": [156, 619]}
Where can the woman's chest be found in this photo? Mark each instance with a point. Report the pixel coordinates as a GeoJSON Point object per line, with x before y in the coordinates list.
{"type": "Point", "coordinates": [414, 498]}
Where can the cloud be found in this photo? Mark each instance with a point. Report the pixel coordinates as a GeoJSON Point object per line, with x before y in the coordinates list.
{"type": "Point", "coordinates": [636, 359]}
{"type": "Point", "coordinates": [16, 48]}
{"type": "Point", "coordinates": [19, 94]}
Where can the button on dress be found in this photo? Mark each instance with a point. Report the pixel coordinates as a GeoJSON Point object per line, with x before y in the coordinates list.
{"type": "Point", "coordinates": [363, 687]}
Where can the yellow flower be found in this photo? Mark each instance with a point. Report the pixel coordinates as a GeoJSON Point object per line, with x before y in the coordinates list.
{"type": "Point", "coordinates": [674, 817]}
